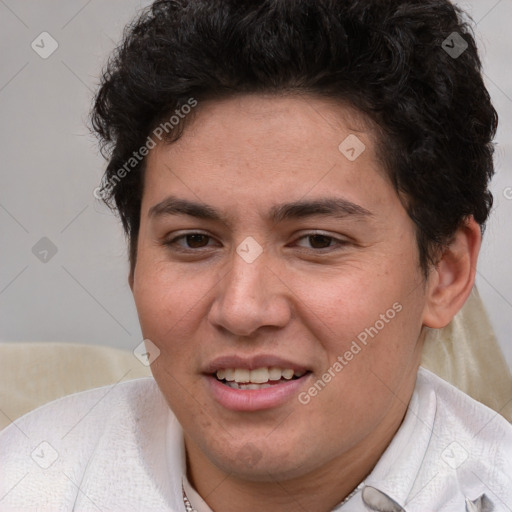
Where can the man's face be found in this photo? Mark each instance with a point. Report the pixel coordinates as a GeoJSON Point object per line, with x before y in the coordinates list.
{"type": "Point", "coordinates": [271, 284]}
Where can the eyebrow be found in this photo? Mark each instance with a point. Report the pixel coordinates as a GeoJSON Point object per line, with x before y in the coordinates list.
{"type": "Point", "coordinates": [329, 206]}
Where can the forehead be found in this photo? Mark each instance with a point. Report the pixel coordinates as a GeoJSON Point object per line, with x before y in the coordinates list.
{"type": "Point", "coordinates": [270, 123]}
{"type": "Point", "coordinates": [253, 149]}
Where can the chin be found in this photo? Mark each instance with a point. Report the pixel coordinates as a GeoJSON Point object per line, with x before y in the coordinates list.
{"type": "Point", "coordinates": [262, 463]}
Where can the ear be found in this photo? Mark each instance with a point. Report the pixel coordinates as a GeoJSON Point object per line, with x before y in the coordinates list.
{"type": "Point", "coordinates": [451, 281]}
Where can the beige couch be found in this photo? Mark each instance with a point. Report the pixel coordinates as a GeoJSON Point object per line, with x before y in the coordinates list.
{"type": "Point", "coordinates": [464, 353]}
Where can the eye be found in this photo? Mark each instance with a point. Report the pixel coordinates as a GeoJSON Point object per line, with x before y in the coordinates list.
{"type": "Point", "coordinates": [321, 241]}
{"type": "Point", "coordinates": [192, 241]}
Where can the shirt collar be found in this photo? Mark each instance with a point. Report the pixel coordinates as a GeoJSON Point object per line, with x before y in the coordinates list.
{"type": "Point", "coordinates": [428, 463]}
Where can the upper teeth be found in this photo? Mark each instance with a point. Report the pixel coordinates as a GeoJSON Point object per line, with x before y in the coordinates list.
{"type": "Point", "coordinates": [258, 376]}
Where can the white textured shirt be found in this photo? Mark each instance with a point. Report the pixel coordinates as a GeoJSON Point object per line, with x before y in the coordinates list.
{"type": "Point", "coordinates": [120, 448]}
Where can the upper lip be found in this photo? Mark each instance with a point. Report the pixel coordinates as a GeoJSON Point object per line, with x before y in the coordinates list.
{"type": "Point", "coordinates": [251, 363]}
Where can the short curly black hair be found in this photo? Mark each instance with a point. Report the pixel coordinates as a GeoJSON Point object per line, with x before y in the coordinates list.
{"type": "Point", "coordinates": [410, 66]}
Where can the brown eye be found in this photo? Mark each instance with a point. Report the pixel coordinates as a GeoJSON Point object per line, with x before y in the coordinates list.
{"type": "Point", "coordinates": [319, 241]}
{"type": "Point", "coordinates": [197, 240]}
{"type": "Point", "coordinates": [189, 242]}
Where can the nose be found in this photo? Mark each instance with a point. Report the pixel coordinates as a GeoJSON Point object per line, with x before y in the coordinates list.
{"type": "Point", "coordinates": [249, 297]}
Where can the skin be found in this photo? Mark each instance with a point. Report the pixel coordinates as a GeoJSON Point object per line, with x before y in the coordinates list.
{"type": "Point", "coordinates": [304, 299]}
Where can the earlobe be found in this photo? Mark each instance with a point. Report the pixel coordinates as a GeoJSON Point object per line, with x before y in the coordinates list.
{"type": "Point", "coordinates": [451, 281]}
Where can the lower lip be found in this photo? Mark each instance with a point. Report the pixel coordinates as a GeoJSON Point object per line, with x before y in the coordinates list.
{"type": "Point", "coordinates": [255, 399]}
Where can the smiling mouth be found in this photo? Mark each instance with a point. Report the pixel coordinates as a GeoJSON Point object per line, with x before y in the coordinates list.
{"type": "Point", "coordinates": [259, 378]}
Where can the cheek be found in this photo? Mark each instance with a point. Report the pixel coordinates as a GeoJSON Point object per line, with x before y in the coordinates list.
{"type": "Point", "coordinates": [369, 369]}
{"type": "Point", "coordinates": [166, 305]}
{"type": "Point", "coordinates": [371, 318]}
{"type": "Point", "coordinates": [344, 301]}
{"type": "Point", "coordinates": [166, 309]}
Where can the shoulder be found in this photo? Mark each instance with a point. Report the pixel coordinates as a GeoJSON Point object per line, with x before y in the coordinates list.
{"type": "Point", "coordinates": [450, 451]}
{"type": "Point", "coordinates": [470, 442]}
{"type": "Point", "coordinates": [47, 452]}
{"type": "Point", "coordinates": [456, 408]}
{"type": "Point", "coordinates": [68, 411]}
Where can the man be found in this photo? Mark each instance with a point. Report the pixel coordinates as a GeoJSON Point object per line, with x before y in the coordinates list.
{"type": "Point", "coordinates": [304, 188]}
